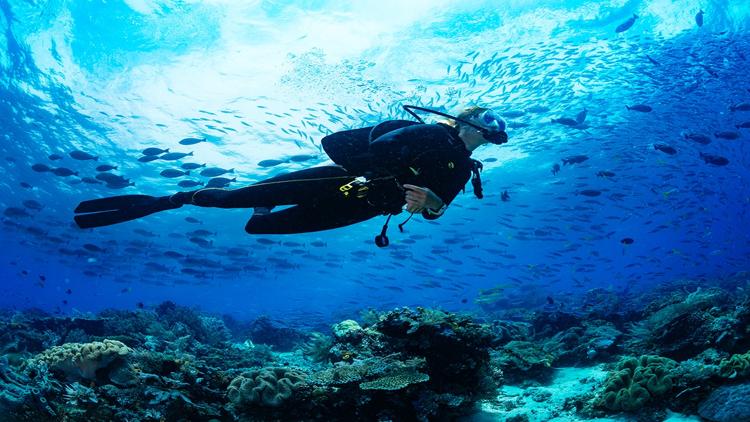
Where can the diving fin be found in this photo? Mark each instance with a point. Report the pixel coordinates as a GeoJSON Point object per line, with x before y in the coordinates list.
{"type": "Point", "coordinates": [119, 209]}
{"type": "Point", "coordinates": [112, 203]}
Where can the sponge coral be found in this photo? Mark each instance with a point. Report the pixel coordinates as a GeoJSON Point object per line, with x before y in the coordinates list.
{"type": "Point", "coordinates": [82, 360]}
{"type": "Point", "coordinates": [265, 387]}
{"type": "Point", "coordinates": [636, 382]}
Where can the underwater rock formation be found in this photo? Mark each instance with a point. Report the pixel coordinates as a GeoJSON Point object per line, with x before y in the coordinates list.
{"type": "Point", "coordinates": [729, 403]}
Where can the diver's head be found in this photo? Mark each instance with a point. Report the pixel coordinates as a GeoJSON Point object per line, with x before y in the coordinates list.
{"type": "Point", "coordinates": [479, 125]}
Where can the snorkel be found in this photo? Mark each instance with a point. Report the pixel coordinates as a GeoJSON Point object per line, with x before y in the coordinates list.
{"type": "Point", "coordinates": [495, 136]}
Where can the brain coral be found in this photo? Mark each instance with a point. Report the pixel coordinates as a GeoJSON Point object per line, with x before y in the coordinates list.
{"type": "Point", "coordinates": [636, 382]}
{"type": "Point", "coordinates": [264, 387]}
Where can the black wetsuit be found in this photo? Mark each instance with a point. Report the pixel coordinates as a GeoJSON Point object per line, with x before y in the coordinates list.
{"type": "Point", "coordinates": [388, 155]}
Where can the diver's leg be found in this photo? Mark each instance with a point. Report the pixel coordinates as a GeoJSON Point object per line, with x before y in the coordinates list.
{"type": "Point", "coordinates": [298, 187]}
{"type": "Point", "coordinates": [311, 218]}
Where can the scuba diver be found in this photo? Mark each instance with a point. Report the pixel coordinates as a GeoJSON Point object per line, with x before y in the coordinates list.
{"type": "Point", "coordinates": [377, 171]}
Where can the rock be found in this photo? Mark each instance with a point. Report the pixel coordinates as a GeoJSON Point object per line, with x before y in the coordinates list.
{"type": "Point", "coordinates": [729, 403]}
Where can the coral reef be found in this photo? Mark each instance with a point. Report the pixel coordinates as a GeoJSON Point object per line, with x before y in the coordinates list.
{"type": "Point", "coordinates": [684, 349]}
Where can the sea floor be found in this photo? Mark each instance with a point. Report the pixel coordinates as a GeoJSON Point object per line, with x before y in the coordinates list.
{"type": "Point", "coordinates": [547, 403]}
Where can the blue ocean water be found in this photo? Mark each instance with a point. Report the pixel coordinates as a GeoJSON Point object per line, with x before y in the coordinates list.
{"type": "Point", "coordinates": [604, 271]}
{"type": "Point", "coordinates": [267, 80]}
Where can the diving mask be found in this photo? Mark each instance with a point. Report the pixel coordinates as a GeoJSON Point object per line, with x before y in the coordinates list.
{"type": "Point", "coordinates": [492, 127]}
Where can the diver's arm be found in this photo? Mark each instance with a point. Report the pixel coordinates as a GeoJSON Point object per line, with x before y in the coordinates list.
{"type": "Point", "coordinates": [446, 194]}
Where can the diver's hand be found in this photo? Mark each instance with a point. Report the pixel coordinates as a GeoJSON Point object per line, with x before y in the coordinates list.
{"type": "Point", "coordinates": [417, 199]}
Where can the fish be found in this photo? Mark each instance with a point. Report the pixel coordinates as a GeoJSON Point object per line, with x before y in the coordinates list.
{"type": "Point", "coordinates": [120, 184]}
{"type": "Point", "coordinates": [743, 125]}
{"type": "Point", "coordinates": [537, 109]}
{"type": "Point", "coordinates": [154, 151]}
{"type": "Point", "coordinates": [565, 121]}
{"type": "Point", "coordinates": [590, 192]}
{"type": "Point", "coordinates": [640, 107]}
{"type": "Point", "coordinates": [301, 158]}
{"type": "Point", "coordinates": [192, 166]}
{"type": "Point", "coordinates": [25, 185]}
{"type": "Point", "coordinates": [581, 116]}
{"type": "Point", "coordinates": [605, 173]}
{"type": "Point", "coordinates": [145, 233]}
{"type": "Point", "coordinates": [574, 159]}
{"type": "Point", "coordinates": [192, 141]}
{"type": "Point", "coordinates": [189, 183]}
{"type": "Point", "coordinates": [505, 196]}
{"type": "Point", "coordinates": [64, 172]}
{"type": "Point", "coordinates": [215, 171]}
{"type": "Point", "coordinates": [699, 18]}
{"type": "Point", "coordinates": [172, 173]}
{"type": "Point", "coordinates": [175, 156]}
{"type": "Point", "coordinates": [193, 220]}
{"type": "Point", "coordinates": [41, 168]}
{"type": "Point", "coordinates": [93, 248]}
{"type": "Point", "coordinates": [270, 163]}
{"type": "Point", "coordinates": [716, 160]}
{"type": "Point", "coordinates": [220, 182]}
{"type": "Point", "coordinates": [740, 107]}
{"type": "Point", "coordinates": [729, 135]}
{"type": "Point", "coordinates": [654, 62]}
{"type": "Point", "coordinates": [55, 157]}
{"type": "Point", "coordinates": [513, 114]}
{"type": "Point", "coordinates": [665, 149]}
{"type": "Point", "coordinates": [555, 168]}
{"type": "Point", "coordinates": [110, 178]}
{"type": "Point", "coordinates": [15, 212]}
{"type": "Point", "coordinates": [237, 252]}
{"type": "Point", "coordinates": [698, 137]}
{"type": "Point", "coordinates": [33, 205]}
{"type": "Point", "coordinates": [80, 155]}
{"type": "Point", "coordinates": [200, 233]}
{"type": "Point", "coordinates": [517, 125]}
{"type": "Point", "coordinates": [106, 167]}
{"type": "Point", "coordinates": [627, 241]}
{"type": "Point", "coordinates": [148, 158]}
{"type": "Point", "coordinates": [203, 243]}
{"type": "Point", "coordinates": [626, 25]}
{"type": "Point", "coordinates": [173, 254]}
